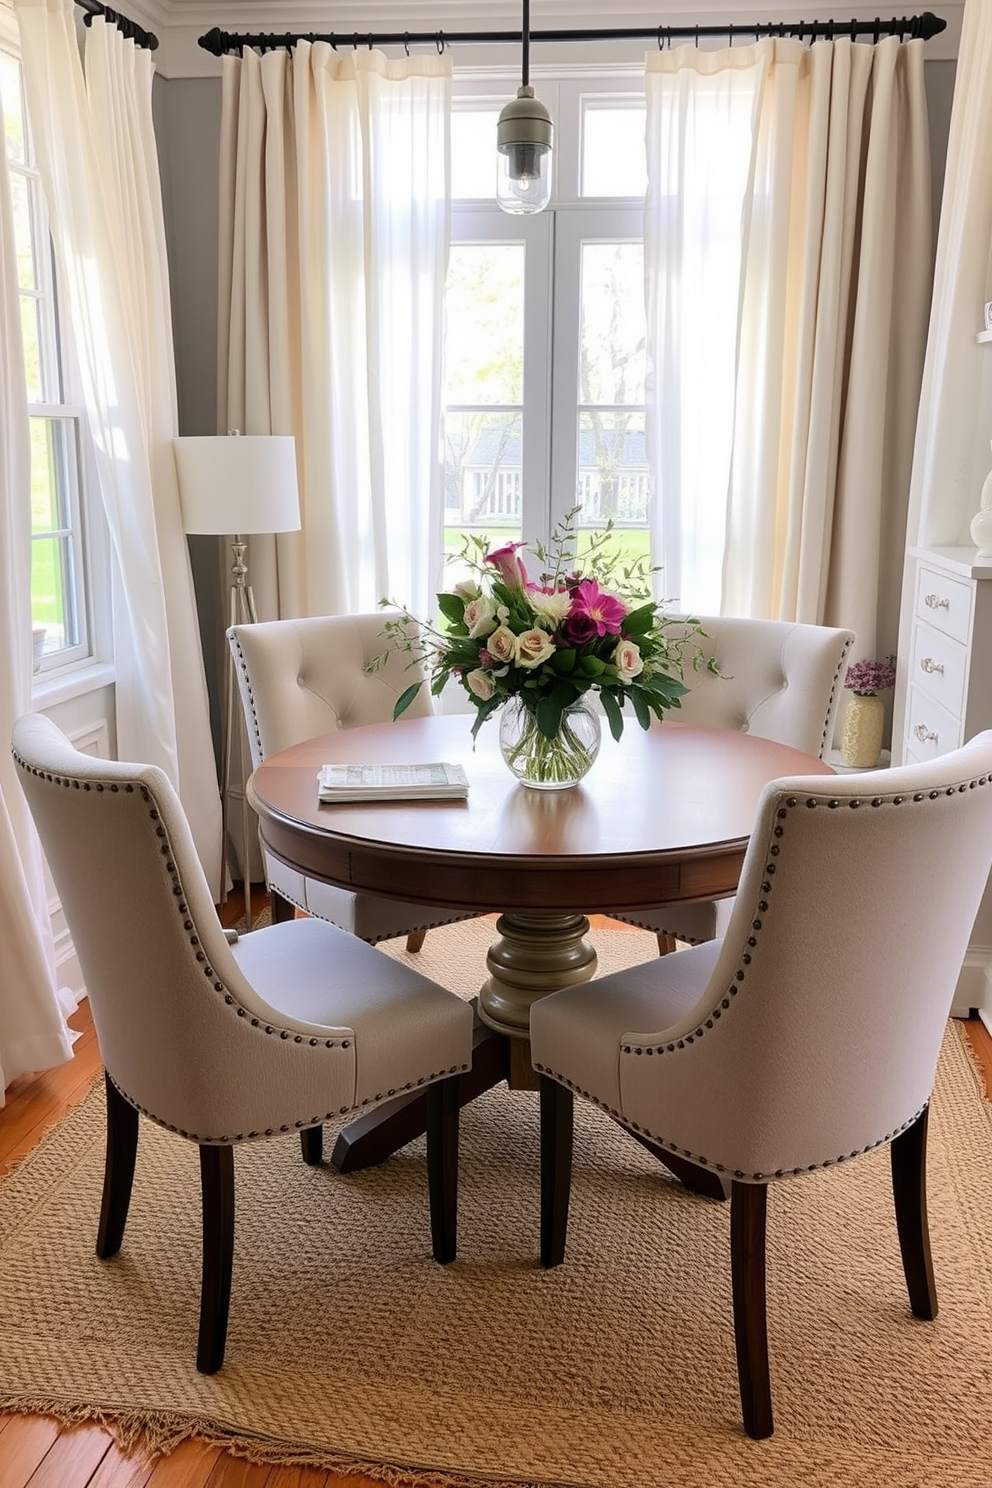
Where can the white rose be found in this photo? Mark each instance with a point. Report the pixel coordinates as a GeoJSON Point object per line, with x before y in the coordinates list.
{"type": "Point", "coordinates": [627, 660]}
{"type": "Point", "coordinates": [481, 684]}
{"type": "Point", "coordinates": [533, 647]}
{"type": "Point", "coordinates": [467, 589]}
{"type": "Point", "coordinates": [502, 644]}
{"type": "Point", "coordinates": [480, 616]}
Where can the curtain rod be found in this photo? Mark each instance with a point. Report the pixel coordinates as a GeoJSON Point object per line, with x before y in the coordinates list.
{"type": "Point", "coordinates": [923, 27]}
{"type": "Point", "coordinates": [131, 29]}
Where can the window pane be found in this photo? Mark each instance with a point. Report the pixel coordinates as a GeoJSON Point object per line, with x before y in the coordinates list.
{"type": "Point", "coordinates": [31, 333]}
{"type": "Point", "coordinates": [51, 592]}
{"type": "Point", "coordinates": [614, 158]}
{"type": "Point", "coordinates": [613, 323]}
{"type": "Point", "coordinates": [612, 468]}
{"type": "Point", "coordinates": [482, 481]}
{"type": "Point", "coordinates": [13, 109]}
{"type": "Point", "coordinates": [484, 324]}
{"type": "Point", "coordinates": [473, 153]}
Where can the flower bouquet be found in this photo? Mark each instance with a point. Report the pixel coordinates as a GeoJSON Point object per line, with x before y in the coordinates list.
{"type": "Point", "coordinates": [541, 645]}
{"type": "Point", "coordinates": [869, 678]}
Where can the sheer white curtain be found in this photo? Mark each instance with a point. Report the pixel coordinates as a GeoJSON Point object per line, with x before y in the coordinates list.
{"type": "Point", "coordinates": [33, 1034]}
{"type": "Point", "coordinates": [335, 223]}
{"type": "Point", "coordinates": [95, 145]}
{"type": "Point", "coordinates": [788, 250]}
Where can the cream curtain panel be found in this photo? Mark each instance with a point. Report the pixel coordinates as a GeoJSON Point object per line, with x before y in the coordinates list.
{"type": "Point", "coordinates": [334, 233]}
{"type": "Point", "coordinates": [955, 425]}
{"type": "Point", "coordinates": [96, 150]}
{"type": "Point", "coordinates": [33, 1033]}
{"type": "Point", "coordinates": [787, 246]}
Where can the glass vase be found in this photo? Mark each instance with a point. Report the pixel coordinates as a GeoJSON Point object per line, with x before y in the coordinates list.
{"type": "Point", "coordinates": [549, 764]}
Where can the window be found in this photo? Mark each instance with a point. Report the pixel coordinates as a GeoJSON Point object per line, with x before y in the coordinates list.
{"type": "Point", "coordinates": [59, 599]}
{"type": "Point", "coordinates": [545, 331]}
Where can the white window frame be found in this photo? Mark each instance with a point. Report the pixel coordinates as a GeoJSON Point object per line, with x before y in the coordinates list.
{"type": "Point", "coordinates": [85, 664]}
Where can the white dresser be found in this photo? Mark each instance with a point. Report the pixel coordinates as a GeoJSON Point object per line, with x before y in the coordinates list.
{"type": "Point", "coordinates": [949, 699]}
{"type": "Point", "coordinates": [949, 678]}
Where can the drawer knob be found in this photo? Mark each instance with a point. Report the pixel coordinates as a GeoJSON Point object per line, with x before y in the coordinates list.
{"type": "Point", "coordinates": [936, 602]}
{"type": "Point", "coordinates": [930, 666]}
{"type": "Point", "coordinates": [924, 735]}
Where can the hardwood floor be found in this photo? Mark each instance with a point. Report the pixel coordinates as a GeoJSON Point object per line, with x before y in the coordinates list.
{"type": "Point", "coordinates": [35, 1452]}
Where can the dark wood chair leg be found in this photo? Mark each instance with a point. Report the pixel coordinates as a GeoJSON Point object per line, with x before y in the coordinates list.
{"type": "Point", "coordinates": [666, 943]}
{"type": "Point", "coordinates": [312, 1143]}
{"type": "Point", "coordinates": [748, 1204]}
{"type": "Point", "coordinates": [282, 909]}
{"type": "Point", "coordinates": [217, 1189]}
{"type": "Point", "coordinates": [415, 940]}
{"type": "Point", "coordinates": [908, 1154]}
{"type": "Point", "coordinates": [118, 1171]}
{"type": "Point", "coordinates": [557, 1111]}
{"type": "Point", "coordinates": [443, 1106]}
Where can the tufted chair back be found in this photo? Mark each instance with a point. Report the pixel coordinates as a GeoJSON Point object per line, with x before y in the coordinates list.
{"type": "Point", "coordinates": [809, 1034]}
{"type": "Point", "coordinates": [780, 680]}
{"type": "Point", "coordinates": [300, 678]}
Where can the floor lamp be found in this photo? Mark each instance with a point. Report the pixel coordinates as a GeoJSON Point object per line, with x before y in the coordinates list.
{"type": "Point", "coordinates": [236, 485]}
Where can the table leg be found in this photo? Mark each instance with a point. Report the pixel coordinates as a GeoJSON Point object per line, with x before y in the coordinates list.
{"type": "Point", "coordinates": [535, 953]}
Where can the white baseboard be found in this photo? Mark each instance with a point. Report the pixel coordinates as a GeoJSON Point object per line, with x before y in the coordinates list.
{"type": "Point", "coordinates": [974, 987]}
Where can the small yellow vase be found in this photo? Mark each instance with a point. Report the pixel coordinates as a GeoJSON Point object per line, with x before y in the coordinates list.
{"type": "Point", "coordinates": [861, 742]}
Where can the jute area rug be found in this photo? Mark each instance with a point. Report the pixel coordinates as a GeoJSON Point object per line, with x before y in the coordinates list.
{"type": "Point", "coordinates": [349, 1348]}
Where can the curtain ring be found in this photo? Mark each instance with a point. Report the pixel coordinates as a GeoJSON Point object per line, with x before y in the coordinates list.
{"type": "Point", "coordinates": [406, 42]}
{"type": "Point", "coordinates": [439, 43]}
{"type": "Point", "coordinates": [876, 30]}
{"type": "Point", "coordinates": [660, 47]}
{"type": "Point", "coordinates": [730, 34]}
{"type": "Point", "coordinates": [370, 41]}
{"type": "Point", "coordinates": [697, 35]}
{"type": "Point", "coordinates": [830, 29]}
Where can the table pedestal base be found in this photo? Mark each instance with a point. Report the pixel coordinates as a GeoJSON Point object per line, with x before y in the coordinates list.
{"type": "Point", "coordinates": [535, 953]}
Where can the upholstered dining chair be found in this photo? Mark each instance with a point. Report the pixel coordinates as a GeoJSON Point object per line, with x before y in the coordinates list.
{"type": "Point", "coordinates": [805, 1037]}
{"type": "Point", "coordinates": [777, 679]}
{"type": "Point", "coordinates": [300, 678]}
{"type": "Point", "coordinates": [221, 1040]}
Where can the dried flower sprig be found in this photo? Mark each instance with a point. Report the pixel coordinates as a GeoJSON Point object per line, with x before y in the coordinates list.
{"type": "Point", "coordinates": [868, 678]}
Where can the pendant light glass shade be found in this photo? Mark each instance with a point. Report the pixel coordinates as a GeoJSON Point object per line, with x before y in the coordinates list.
{"type": "Point", "coordinates": [524, 138]}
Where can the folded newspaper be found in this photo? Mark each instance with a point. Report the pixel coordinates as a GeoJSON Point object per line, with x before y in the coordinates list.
{"type": "Point", "coordinates": [433, 782]}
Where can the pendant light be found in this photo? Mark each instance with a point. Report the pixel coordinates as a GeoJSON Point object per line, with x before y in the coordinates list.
{"type": "Point", "coordinates": [523, 143]}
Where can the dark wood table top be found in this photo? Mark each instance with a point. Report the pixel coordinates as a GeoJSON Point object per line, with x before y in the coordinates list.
{"type": "Point", "coordinates": [663, 816]}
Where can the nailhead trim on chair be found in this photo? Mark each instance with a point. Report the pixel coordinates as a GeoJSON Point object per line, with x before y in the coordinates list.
{"type": "Point", "coordinates": [251, 698]}
{"type": "Point", "coordinates": [824, 741]}
{"type": "Point", "coordinates": [269, 1029]}
{"type": "Point", "coordinates": [811, 803]}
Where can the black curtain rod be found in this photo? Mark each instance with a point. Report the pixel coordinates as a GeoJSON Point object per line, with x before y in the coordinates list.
{"type": "Point", "coordinates": [131, 29]}
{"type": "Point", "coordinates": [923, 27]}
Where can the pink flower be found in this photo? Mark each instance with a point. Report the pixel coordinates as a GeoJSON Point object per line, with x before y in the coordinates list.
{"type": "Point", "coordinates": [511, 568]}
{"type": "Point", "coordinates": [604, 611]}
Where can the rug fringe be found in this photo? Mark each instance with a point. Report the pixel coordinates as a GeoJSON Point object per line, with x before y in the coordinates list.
{"type": "Point", "coordinates": [159, 1433]}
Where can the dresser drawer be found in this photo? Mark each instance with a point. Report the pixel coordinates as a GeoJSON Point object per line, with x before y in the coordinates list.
{"type": "Point", "coordinates": [939, 667]}
{"type": "Point", "coordinates": [944, 602]}
{"type": "Point", "coordinates": [930, 729]}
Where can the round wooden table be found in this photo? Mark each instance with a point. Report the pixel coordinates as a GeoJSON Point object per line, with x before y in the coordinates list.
{"type": "Point", "coordinates": [663, 817]}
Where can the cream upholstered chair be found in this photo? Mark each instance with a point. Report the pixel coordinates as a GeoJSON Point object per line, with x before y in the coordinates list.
{"type": "Point", "coordinates": [779, 680]}
{"type": "Point", "coordinates": [224, 1042]}
{"type": "Point", "coordinates": [809, 1034]}
{"type": "Point", "coordinates": [300, 678]}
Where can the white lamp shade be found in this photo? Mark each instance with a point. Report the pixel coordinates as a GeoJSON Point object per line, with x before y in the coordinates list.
{"type": "Point", "coordinates": [238, 483]}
